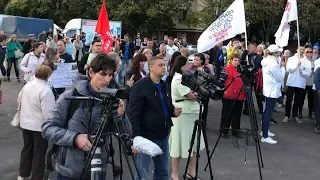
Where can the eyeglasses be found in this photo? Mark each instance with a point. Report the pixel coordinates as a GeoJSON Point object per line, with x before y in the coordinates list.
{"type": "Point", "coordinates": [309, 52]}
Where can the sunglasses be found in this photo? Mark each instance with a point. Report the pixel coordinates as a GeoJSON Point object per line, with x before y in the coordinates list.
{"type": "Point", "coordinates": [309, 52]}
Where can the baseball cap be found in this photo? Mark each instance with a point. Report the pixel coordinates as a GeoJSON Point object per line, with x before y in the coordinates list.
{"type": "Point", "coordinates": [274, 48]}
{"type": "Point", "coordinates": [30, 35]}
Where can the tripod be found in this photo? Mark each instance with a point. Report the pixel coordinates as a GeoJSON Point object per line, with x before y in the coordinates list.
{"type": "Point", "coordinates": [199, 127]}
{"type": "Point", "coordinates": [103, 139]}
{"type": "Point", "coordinates": [253, 123]}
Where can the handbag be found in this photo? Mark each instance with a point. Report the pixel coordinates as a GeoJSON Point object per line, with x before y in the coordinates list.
{"type": "Point", "coordinates": [16, 118]}
{"type": "Point", "coordinates": [18, 54]}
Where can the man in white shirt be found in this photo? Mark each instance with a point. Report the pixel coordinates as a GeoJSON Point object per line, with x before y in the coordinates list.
{"type": "Point", "coordinates": [299, 69]}
{"type": "Point", "coordinates": [171, 48]}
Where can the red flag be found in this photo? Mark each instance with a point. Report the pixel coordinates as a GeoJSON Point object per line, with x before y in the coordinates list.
{"type": "Point", "coordinates": [103, 28]}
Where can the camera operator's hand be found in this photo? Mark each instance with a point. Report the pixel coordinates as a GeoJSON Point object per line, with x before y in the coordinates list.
{"type": "Point", "coordinates": [83, 142]}
{"type": "Point", "coordinates": [121, 108]}
{"type": "Point", "coordinates": [130, 83]}
{"type": "Point", "coordinates": [177, 111]}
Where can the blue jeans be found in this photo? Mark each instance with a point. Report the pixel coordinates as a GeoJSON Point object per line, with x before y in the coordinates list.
{"type": "Point", "coordinates": [123, 61]}
{"type": "Point", "coordinates": [161, 163]}
{"type": "Point", "coordinates": [267, 114]}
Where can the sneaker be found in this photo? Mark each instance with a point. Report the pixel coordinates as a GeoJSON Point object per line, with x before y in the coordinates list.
{"type": "Point", "coordinates": [18, 79]}
{"type": "Point", "coordinates": [8, 79]}
{"type": "Point", "coordinates": [225, 136]}
{"type": "Point", "coordinates": [270, 134]}
{"type": "Point", "coordinates": [297, 120]}
{"type": "Point", "coordinates": [280, 105]}
{"type": "Point", "coordinates": [286, 119]}
{"type": "Point", "coordinates": [23, 178]}
{"type": "Point", "coordinates": [317, 130]}
{"type": "Point", "coordinates": [273, 121]}
{"type": "Point", "coordinates": [268, 140]}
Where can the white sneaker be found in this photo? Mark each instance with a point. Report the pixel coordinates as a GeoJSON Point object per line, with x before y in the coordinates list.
{"type": "Point", "coordinates": [297, 120]}
{"type": "Point", "coordinates": [270, 134]}
{"type": "Point", "coordinates": [268, 140]}
{"type": "Point", "coordinates": [23, 178]}
{"type": "Point", "coordinates": [280, 105]}
{"type": "Point", "coordinates": [286, 119]}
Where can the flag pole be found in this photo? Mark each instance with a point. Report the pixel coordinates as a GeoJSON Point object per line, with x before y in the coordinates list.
{"type": "Point", "coordinates": [298, 33]}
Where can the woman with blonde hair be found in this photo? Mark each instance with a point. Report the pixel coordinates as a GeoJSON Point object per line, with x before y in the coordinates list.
{"type": "Point", "coordinates": [69, 45]}
{"type": "Point", "coordinates": [37, 101]}
{"type": "Point", "coordinates": [148, 54]}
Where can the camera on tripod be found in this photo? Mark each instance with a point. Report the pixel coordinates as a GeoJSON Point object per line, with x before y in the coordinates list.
{"type": "Point", "coordinates": [201, 82]}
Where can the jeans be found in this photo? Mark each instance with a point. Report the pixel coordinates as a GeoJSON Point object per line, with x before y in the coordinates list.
{"type": "Point", "coordinates": [161, 162]}
{"type": "Point", "coordinates": [15, 64]}
{"type": "Point", "coordinates": [317, 107]}
{"type": "Point", "coordinates": [267, 114]}
{"type": "Point", "coordinates": [123, 61]}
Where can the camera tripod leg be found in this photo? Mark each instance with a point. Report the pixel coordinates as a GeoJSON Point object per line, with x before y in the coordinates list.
{"type": "Point", "coordinates": [214, 149]}
{"type": "Point", "coordinates": [191, 148]}
{"type": "Point", "coordinates": [205, 138]}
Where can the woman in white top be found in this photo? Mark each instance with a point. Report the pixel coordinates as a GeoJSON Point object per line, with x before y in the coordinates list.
{"type": "Point", "coordinates": [32, 60]}
{"type": "Point", "coordinates": [37, 101]}
{"type": "Point", "coordinates": [77, 49]}
{"type": "Point", "coordinates": [272, 79]}
{"type": "Point", "coordinates": [181, 131]}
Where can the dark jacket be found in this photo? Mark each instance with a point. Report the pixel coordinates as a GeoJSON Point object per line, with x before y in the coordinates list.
{"type": "Point", "coordinates": [82, 63]}
{"type": "Point", "coordinates": [27, 46]}
{"type": "Point", "coordinates": [256, 60]}
{"type": "Point", "coordinates": [131, 49]}
{"type": "Point", "coordinates": [145, 110]}
{"type": "Point", "coordinates": [2, 54]}
{"type": "Point", "coordinates": [42, 37]}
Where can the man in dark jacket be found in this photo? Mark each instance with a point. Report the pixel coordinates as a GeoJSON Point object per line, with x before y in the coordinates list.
{"type": "Point", "coordinates": [96, 48]}
{"type": "Point", "coordinates": [27, 47]}
{"type": "Point", "coordinates": [3, 43]}
{"type": "Point", "coordinates": [127, 51]}
{"type": "Point", "coordinates": [217, 58]}
{"type": "Point", "coordinates": [255, 59]}
{"type": "Point", "coordinates": [150, 111]}
{"type": "Point", "coordinates": [43, 37]}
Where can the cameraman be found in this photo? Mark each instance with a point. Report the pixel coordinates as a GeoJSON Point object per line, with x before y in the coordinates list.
{"type": "Point", "coordinates": [71, 135]}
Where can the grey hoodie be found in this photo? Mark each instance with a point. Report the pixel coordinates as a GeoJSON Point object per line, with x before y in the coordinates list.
{"type": "Point", "coordinates": [70, 159]}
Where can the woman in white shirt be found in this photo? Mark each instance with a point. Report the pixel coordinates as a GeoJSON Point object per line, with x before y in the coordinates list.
{"type": "Point", "coordinates": [32, 60]}
{"type": "Point", "coordinates": [77, 49]}
{"type": "Point", "coordinates": [37, 101]}
{"type": "Point", "coordinates": [272, 80]}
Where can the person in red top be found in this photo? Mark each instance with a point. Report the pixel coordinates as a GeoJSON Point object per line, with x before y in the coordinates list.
{"type": "Point", "coordinates": [234, 85]}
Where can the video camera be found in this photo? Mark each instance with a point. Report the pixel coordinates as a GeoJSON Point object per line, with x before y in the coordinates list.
{"type": "Point", "coordinates": [201, 82]}
{"type": "Point", "coordinates": [246, 68]}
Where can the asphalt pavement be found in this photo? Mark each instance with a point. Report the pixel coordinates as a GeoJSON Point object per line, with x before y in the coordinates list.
{"type": "Point", "coordinates": [295, 157]}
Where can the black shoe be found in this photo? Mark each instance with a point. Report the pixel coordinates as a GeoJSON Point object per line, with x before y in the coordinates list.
{"type": "Point", "coordinates": [317, 130]}
{"type": "Point", "coordinates": [245, 112]}
{"type": "Point", "coordinates": [273, 121]}
{"type": "Point", "coordinates": [18, 79]}
{"type": "Point", "coordinates": [225, 136]}
{"type": "Point", "coordinates": [8, 79]}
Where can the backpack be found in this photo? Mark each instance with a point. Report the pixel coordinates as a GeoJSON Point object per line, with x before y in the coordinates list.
{"type": "Point", "coordinates": [73, 106]}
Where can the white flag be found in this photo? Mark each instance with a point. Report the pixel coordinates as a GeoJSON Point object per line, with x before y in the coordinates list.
{"type": "Point", "coordinates": [228, 25]}
{"type": "Point", "coordinates": [290, 14]}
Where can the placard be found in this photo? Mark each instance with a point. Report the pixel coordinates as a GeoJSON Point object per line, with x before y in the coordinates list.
{"type": "Point", "coordinates": [63, 74]}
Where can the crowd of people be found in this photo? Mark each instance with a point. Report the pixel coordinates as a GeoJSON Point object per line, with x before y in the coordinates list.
{"type": "Point", "coordinates": [153, 78]}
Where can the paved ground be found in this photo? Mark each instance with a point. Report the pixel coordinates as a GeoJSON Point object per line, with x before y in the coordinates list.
{"type": "Point", "coordinates": [295, 157]}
